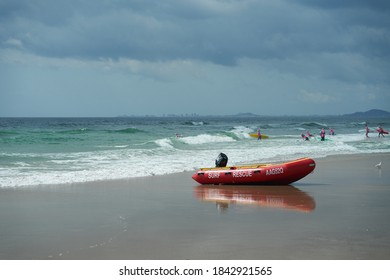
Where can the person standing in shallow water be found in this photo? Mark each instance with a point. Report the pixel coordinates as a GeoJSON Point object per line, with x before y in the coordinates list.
{"type": "Point", "coordinates": [322, 134]}
{"type": "Point", "coordinates": [367, 130]}
{"type": "Point", "coordinates": [380, 131]}
{"type": "Point", "coordinates": [258, 134]}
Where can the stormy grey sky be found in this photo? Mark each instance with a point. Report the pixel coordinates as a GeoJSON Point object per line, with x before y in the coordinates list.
{"type": "Point", "coordinates": [137, 57]}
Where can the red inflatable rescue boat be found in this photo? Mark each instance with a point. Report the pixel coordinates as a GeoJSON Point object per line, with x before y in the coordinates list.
{"type": "Point", "coordinates": [257, 174]}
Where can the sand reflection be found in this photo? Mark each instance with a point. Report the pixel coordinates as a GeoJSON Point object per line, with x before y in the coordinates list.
{"type": "Point", "coordinates": [285, 197]}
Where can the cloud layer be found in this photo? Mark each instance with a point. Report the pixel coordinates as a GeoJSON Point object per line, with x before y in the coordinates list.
{"type": "Point", "coordinates": [324, 42]}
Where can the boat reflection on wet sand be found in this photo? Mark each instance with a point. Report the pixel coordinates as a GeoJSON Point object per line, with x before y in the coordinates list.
{"type": "Point", "coordinates": [286, 197]}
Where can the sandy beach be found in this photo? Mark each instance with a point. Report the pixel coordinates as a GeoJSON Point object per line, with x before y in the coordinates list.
{"type": "Point", "coordinates": [341, 211]}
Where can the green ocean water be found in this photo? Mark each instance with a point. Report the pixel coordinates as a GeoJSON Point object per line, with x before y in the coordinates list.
{"type": "Point", "coordinates": [37, 151]}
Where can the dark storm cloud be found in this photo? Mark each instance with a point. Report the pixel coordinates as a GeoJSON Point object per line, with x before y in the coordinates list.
{"type": "Point", "coordinates": [360, 26]}
{"type": "Point", "coordinates": [218, 31]}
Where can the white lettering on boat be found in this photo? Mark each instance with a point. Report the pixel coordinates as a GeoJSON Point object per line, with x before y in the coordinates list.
{"type": "Point", "coordinates": [242, 173]}
{"type": "Point", "coordinates": [212, 175]}
{"type": "Point", "coordinates": [274, 171]}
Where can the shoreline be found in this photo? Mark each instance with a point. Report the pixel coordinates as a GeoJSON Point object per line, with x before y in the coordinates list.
{"type": "Point", "coordinates": [190, 173]}
{"type": "Point", "coordinates": [337, 212]}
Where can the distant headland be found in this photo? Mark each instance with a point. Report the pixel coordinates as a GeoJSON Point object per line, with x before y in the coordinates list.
{"type": "Point", "coordinates": [374, 113]}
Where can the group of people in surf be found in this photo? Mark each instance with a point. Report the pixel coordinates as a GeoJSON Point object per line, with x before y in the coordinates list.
{"type": "Point", "coordinates": [380, 130]}
{"type": "Point", "coordinates": [322, 134]}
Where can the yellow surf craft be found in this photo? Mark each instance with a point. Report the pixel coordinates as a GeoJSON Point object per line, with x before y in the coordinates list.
{"type": "Point", "coordinates": [254, 135]}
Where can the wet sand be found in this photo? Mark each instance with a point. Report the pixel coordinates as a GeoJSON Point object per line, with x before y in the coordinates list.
{"type": "Point", "coordinates": [341, 211]}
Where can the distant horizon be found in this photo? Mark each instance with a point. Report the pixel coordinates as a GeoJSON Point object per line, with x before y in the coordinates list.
{"type": "Point", "coordinates": [194, 115]}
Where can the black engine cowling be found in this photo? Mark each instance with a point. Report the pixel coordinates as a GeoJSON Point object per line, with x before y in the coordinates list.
{"type": "Point", "coordinates": [221, 160]}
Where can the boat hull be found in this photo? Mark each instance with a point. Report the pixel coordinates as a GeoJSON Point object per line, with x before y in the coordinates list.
{"type": "Point", "coordinates": [260, 174]}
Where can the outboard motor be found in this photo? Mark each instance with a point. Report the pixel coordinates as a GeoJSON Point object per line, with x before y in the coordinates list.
{"type": "Point", "coordinates": [221, 160]}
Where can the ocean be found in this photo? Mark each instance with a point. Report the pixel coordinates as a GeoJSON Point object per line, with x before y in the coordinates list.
{"type": "Point", "coordinates": [36, 151]}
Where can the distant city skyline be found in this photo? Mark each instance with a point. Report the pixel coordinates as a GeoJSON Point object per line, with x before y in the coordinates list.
{"type": "Point", "coordinates": [369, 113]}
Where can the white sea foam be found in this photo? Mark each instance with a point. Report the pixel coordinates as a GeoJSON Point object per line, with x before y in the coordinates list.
{"type": "Point", "coordinates": [102, 166]}
{"type": "Point", "coordinates": [206, 138]}
{"type": "Point", "coordinates": [242, 132]}
{"type": "Point", "coordinates": [165, 143]}
{"type": "Point", "coordinates": [117, 164]}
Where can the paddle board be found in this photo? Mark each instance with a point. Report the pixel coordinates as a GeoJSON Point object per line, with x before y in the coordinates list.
{"type": "Point", "coordinates": [254, 135]}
